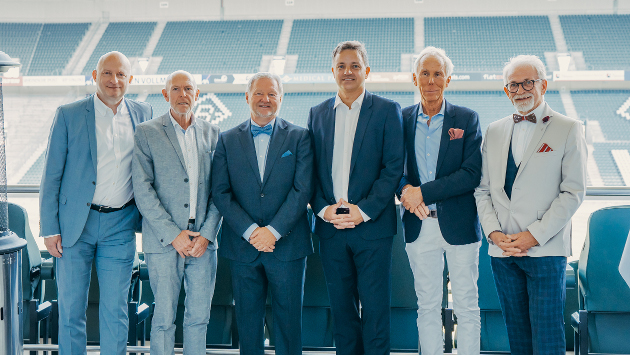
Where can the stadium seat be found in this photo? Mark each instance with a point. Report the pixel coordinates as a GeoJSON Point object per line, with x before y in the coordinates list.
{"type": "Point", "coordinates": [603, 323]}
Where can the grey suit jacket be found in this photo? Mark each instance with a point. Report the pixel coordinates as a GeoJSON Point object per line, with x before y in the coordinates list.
{"type": "Point", "coordinates": [549, 185]}
{"type": "Point", "coordinates": [160, 184]}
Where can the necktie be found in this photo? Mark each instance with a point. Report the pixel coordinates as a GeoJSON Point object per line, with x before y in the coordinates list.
{"type": "Point", "coordinates": [518, 118]}
{"type": "Point", "coordinates": [256, 130]}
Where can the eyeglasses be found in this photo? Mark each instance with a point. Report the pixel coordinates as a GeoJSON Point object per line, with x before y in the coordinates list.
{"type": "Point", "coordinates": [527, 85]}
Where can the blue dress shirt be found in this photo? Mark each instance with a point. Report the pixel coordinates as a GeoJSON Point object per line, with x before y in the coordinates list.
{"type": "Point", "coordinates": [427, 145]}
{"type": "Point", "coordinates": [261, 143]}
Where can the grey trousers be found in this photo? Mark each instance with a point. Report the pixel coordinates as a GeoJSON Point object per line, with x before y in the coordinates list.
{"type": "Point", "coordinates": [166, 271]}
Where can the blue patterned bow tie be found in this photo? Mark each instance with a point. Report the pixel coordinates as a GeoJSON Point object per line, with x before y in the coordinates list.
{"type": "Point", "coordinates": [256, 130]}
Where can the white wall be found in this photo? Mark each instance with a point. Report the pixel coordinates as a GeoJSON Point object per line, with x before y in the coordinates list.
{"type": "Point", "coordinates": [149, 10]}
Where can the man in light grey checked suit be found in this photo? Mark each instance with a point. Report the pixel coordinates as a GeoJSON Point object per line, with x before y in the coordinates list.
{"type": "Point", "coordinates": [533, 180]}
{"type": "Point", "coordinates": [172, 162]}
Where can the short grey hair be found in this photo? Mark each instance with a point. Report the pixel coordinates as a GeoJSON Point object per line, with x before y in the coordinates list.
{"type": "Point", "coordinates": [267, 75]}
{"type": "Point", "coordinates": [353, 45]}
{"type": "Point", "coordinates": [437, 53]}
{"type": "Point", "coordinates": [524, 60]}
{"type": "Point", "coordinates": [169, 78]}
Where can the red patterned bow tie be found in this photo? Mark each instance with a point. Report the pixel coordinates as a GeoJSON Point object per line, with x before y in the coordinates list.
{"type": "Point", "coordinates": [518, 118]}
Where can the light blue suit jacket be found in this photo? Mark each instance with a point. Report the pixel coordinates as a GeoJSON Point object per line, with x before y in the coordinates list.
{"type": "Point", "coordinates": [161, 184]}
{"type": "Point", "coordinates": [69, 177]}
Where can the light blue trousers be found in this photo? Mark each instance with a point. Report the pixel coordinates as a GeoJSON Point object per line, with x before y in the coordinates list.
{"type": "Point", "coordinates": [109, 241]}
{"type": "Point", "coordinates": [166, 271]}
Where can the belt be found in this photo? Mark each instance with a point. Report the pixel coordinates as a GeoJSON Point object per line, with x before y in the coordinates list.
{"type": "Point", "coordinates": [432, 214]}
{"type": "Point", "coordinates": [106, 209]}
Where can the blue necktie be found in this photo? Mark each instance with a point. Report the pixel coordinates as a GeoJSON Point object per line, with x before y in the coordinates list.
{"type": "Point", "coordinates": [256, 130]}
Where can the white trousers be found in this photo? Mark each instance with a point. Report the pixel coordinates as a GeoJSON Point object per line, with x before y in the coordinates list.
{"type": "Point", "coordinates": [427, 263]}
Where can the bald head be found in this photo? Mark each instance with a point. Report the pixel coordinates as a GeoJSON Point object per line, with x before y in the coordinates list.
{"type": "Point", "coordinates": [177, 74]}
{"type": "Point", "coordinates": [113, 56]}
{"type": "Point", "coordinates": [112, 77]}
{"type": "Point", "coordinates": [181, 92]}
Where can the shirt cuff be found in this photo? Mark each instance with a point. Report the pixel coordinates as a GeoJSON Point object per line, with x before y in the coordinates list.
{"type": "Point", "coordinates": [365, 217]}
{"type": "Point", "coordinates": [322, 212]}
{"type": "Point", "coordinates": [48, 236]}
{"type": "Point", "coordinates": [249, 231]}
{"type": "Point", "coordinates": [274, 232]}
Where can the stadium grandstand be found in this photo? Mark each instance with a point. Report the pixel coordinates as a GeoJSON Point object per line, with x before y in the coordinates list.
{"type": "Point", "coordinates": [585, 47]}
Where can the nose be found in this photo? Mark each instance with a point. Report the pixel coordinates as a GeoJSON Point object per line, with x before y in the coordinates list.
{"type": "Point", "coordinates": [348, 70]}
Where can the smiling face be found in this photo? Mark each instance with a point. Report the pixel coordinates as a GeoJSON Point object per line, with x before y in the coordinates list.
{"type": "Point", "coordinates": [526, 101]}
{"type": "Point", "coordinates": [350, 71]}
{"type": "Point", "coordinates": [112, 77]}
{"type": "Point", "coordinates": [264, 100]}
{"type": "Point", "coordinates": [182, 93]}
{"type": "Point", "coordinates": [431, 80]}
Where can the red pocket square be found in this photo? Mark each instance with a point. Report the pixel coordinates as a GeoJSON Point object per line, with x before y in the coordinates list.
{"type": "Point", "coordinates": [544, 148]}
{"type": "Point", "coordinates": [456, 133]}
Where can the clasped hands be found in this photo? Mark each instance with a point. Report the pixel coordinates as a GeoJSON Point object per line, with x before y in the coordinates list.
{"type": "Point", "coordinates": [411, 199]}
{"type": "Point", "coordinates": [194, 247]}
{"type": "Point", "coordinates": [514, 244]}
{"type": "Point", "coordinates": [263, 240]}
{"type": "Point", "coordinates": [343, 221]}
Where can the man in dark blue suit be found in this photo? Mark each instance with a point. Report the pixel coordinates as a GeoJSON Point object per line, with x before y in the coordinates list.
{"type": "Point", "coordinates": [443, 168]}
{"type": "Point", "coordinates": [261, 180]}
{"type": "Point", "coordinates": [357, 140]}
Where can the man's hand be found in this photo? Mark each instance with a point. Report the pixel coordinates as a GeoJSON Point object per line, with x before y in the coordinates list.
{"type": "Point", "coordinates": [338, 220]}
{"type": "Point", "coordinates": [183, 244]}
{"type": "Point", "coordinates": [53, 245]}
{"type": "Point", "coordinates": [500, 240]}
{"type": "Point", "coordinates": [519, 244]}
{"type": "Point", "coordinates": [422, 211]}
{"type": "Point", "coordinates": [411, 197]}
{"type": "Point", "coordinates": [199, 246]}
{"type": "Point", "coordinates": [263, 240]}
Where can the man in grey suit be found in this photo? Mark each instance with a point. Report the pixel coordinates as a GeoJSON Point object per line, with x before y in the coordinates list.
{"type": "Point", "coordinates": [533, 180]}
{"type": "Point", "coordinates": [87, 210]}
{"type": "Point", "coordinates": [172, 162]}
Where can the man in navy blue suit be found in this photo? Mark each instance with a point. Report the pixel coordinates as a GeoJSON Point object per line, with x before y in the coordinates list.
{"type": "Point", "coordinates": [443, 168]}
{"type": "Point", "coordinates": [261, 179]}
{"type": "Point", "coordinates": [358, 146]}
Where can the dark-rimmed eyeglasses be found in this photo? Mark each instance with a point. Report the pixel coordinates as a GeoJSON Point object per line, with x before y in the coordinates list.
{"type": "Point", "coordinates": [527, 85]}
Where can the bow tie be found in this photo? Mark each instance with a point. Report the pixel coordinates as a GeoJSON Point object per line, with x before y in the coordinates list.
{"type": "Point", "coordinates": [518, 118]}
{"type": "Point", "coordinates": [256, 130]}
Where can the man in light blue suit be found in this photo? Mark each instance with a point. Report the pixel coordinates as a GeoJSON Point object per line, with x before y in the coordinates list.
{"type": "Point", "coordinates": [87, 209]}
{"type": "Point", "coordinates": [171, 167]}
{"type": "Point", "coordinates": [261, 183]}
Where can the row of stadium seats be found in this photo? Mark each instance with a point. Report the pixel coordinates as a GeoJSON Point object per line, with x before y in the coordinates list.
{"type": "Point", "coordinates": [204, 47]}
{"type": "Point", "coordinates": [596, 303]}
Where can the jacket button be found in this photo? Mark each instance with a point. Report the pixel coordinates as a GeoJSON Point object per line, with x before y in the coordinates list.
{"type": "Point", "coordinates": [88, 204]}
{"type": "Point", "coordinates": [186, 205]}
{"type": "Point", "coordinates": [260, 220]}
{"type": "Point", "coordinates": [93, 182]}
{"type": "Point", "coordinates": [161, 240]}
{"type": "Point", "coordinates": [186, 180]}
{"type": "Point", "coordinates": [262, 195]}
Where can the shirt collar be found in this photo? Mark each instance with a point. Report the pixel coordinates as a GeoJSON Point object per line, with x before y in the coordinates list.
{"type": "Point", "coordinates": [102, 109]}
{"type": "Point", "coordinates": [193, 121]}
{"type": "Point", "coordinates": [538, 111]}
{"type": "Point", "coordinates": [357, 103]}
{"type": "Point", "coordinates": [272, 123]}
{"type": "Point", "coordinates": [421, 112]}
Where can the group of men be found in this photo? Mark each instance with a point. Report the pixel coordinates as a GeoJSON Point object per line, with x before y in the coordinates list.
{"type": "Point", "coordinates": [109, 162]}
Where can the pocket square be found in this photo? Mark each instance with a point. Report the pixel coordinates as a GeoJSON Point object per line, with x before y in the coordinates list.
{"type": "Point", "coordinates": [286, 154]}
{"type": "Point", "coordinates": [544, 148]}
{"type": "Point", "coordinates": [456, 133]}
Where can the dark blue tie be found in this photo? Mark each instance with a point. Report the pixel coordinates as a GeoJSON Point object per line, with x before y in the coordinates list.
{"type": "Point", "coordinates": [256, 130]}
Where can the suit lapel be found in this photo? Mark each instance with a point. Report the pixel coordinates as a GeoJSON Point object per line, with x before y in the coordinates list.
{"type": "Point", "coordinates": [200, 136]}
{"type": "Point", "coordinates": [275, 144]}
{"type": "Point", "coordinates": [329, 136]}
{"type": "Point", "coordinates": [411, 145]}
{"type": "Point", "coordinates": [133, 114]}
{"type": "Point", "coordinates": [447, 123]}
{"type": "Point", "coordinates": [170, 133]}
{"type": "Point", "coordinates": [247, 143]}
{"type": "Point", "coordinates": [364, 120]}
{"type": "Point", "coordinates": [90, 120]}
{"type": "Point", "coordinates": [540, 129]}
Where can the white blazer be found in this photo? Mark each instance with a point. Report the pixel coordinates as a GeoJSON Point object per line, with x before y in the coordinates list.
{"type": "Point", "coordinates": [549, 186]}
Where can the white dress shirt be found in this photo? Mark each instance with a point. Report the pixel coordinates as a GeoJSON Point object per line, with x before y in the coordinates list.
{"type": "Point", "coordinates": [261, 144]}
{"type": "Point", "coordinates": [523, 132]}
{"type": "Point", "coordinates": [346, 120]}
{"type": "Point", "coordinates": [188, 144]}
{"type": "Point", "coordinates": [114, 146]}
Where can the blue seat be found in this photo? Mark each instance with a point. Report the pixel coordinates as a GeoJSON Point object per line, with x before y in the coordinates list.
{"type": "Point", "coordinates": [603, 323]}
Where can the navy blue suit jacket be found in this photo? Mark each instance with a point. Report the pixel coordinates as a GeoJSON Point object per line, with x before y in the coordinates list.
{"type": "Point", "coordinates": [280, 200]}
{"type": "Point", "coordinates": [458, 174]}
{"type": "Point", "coordinates": [376, 165]}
